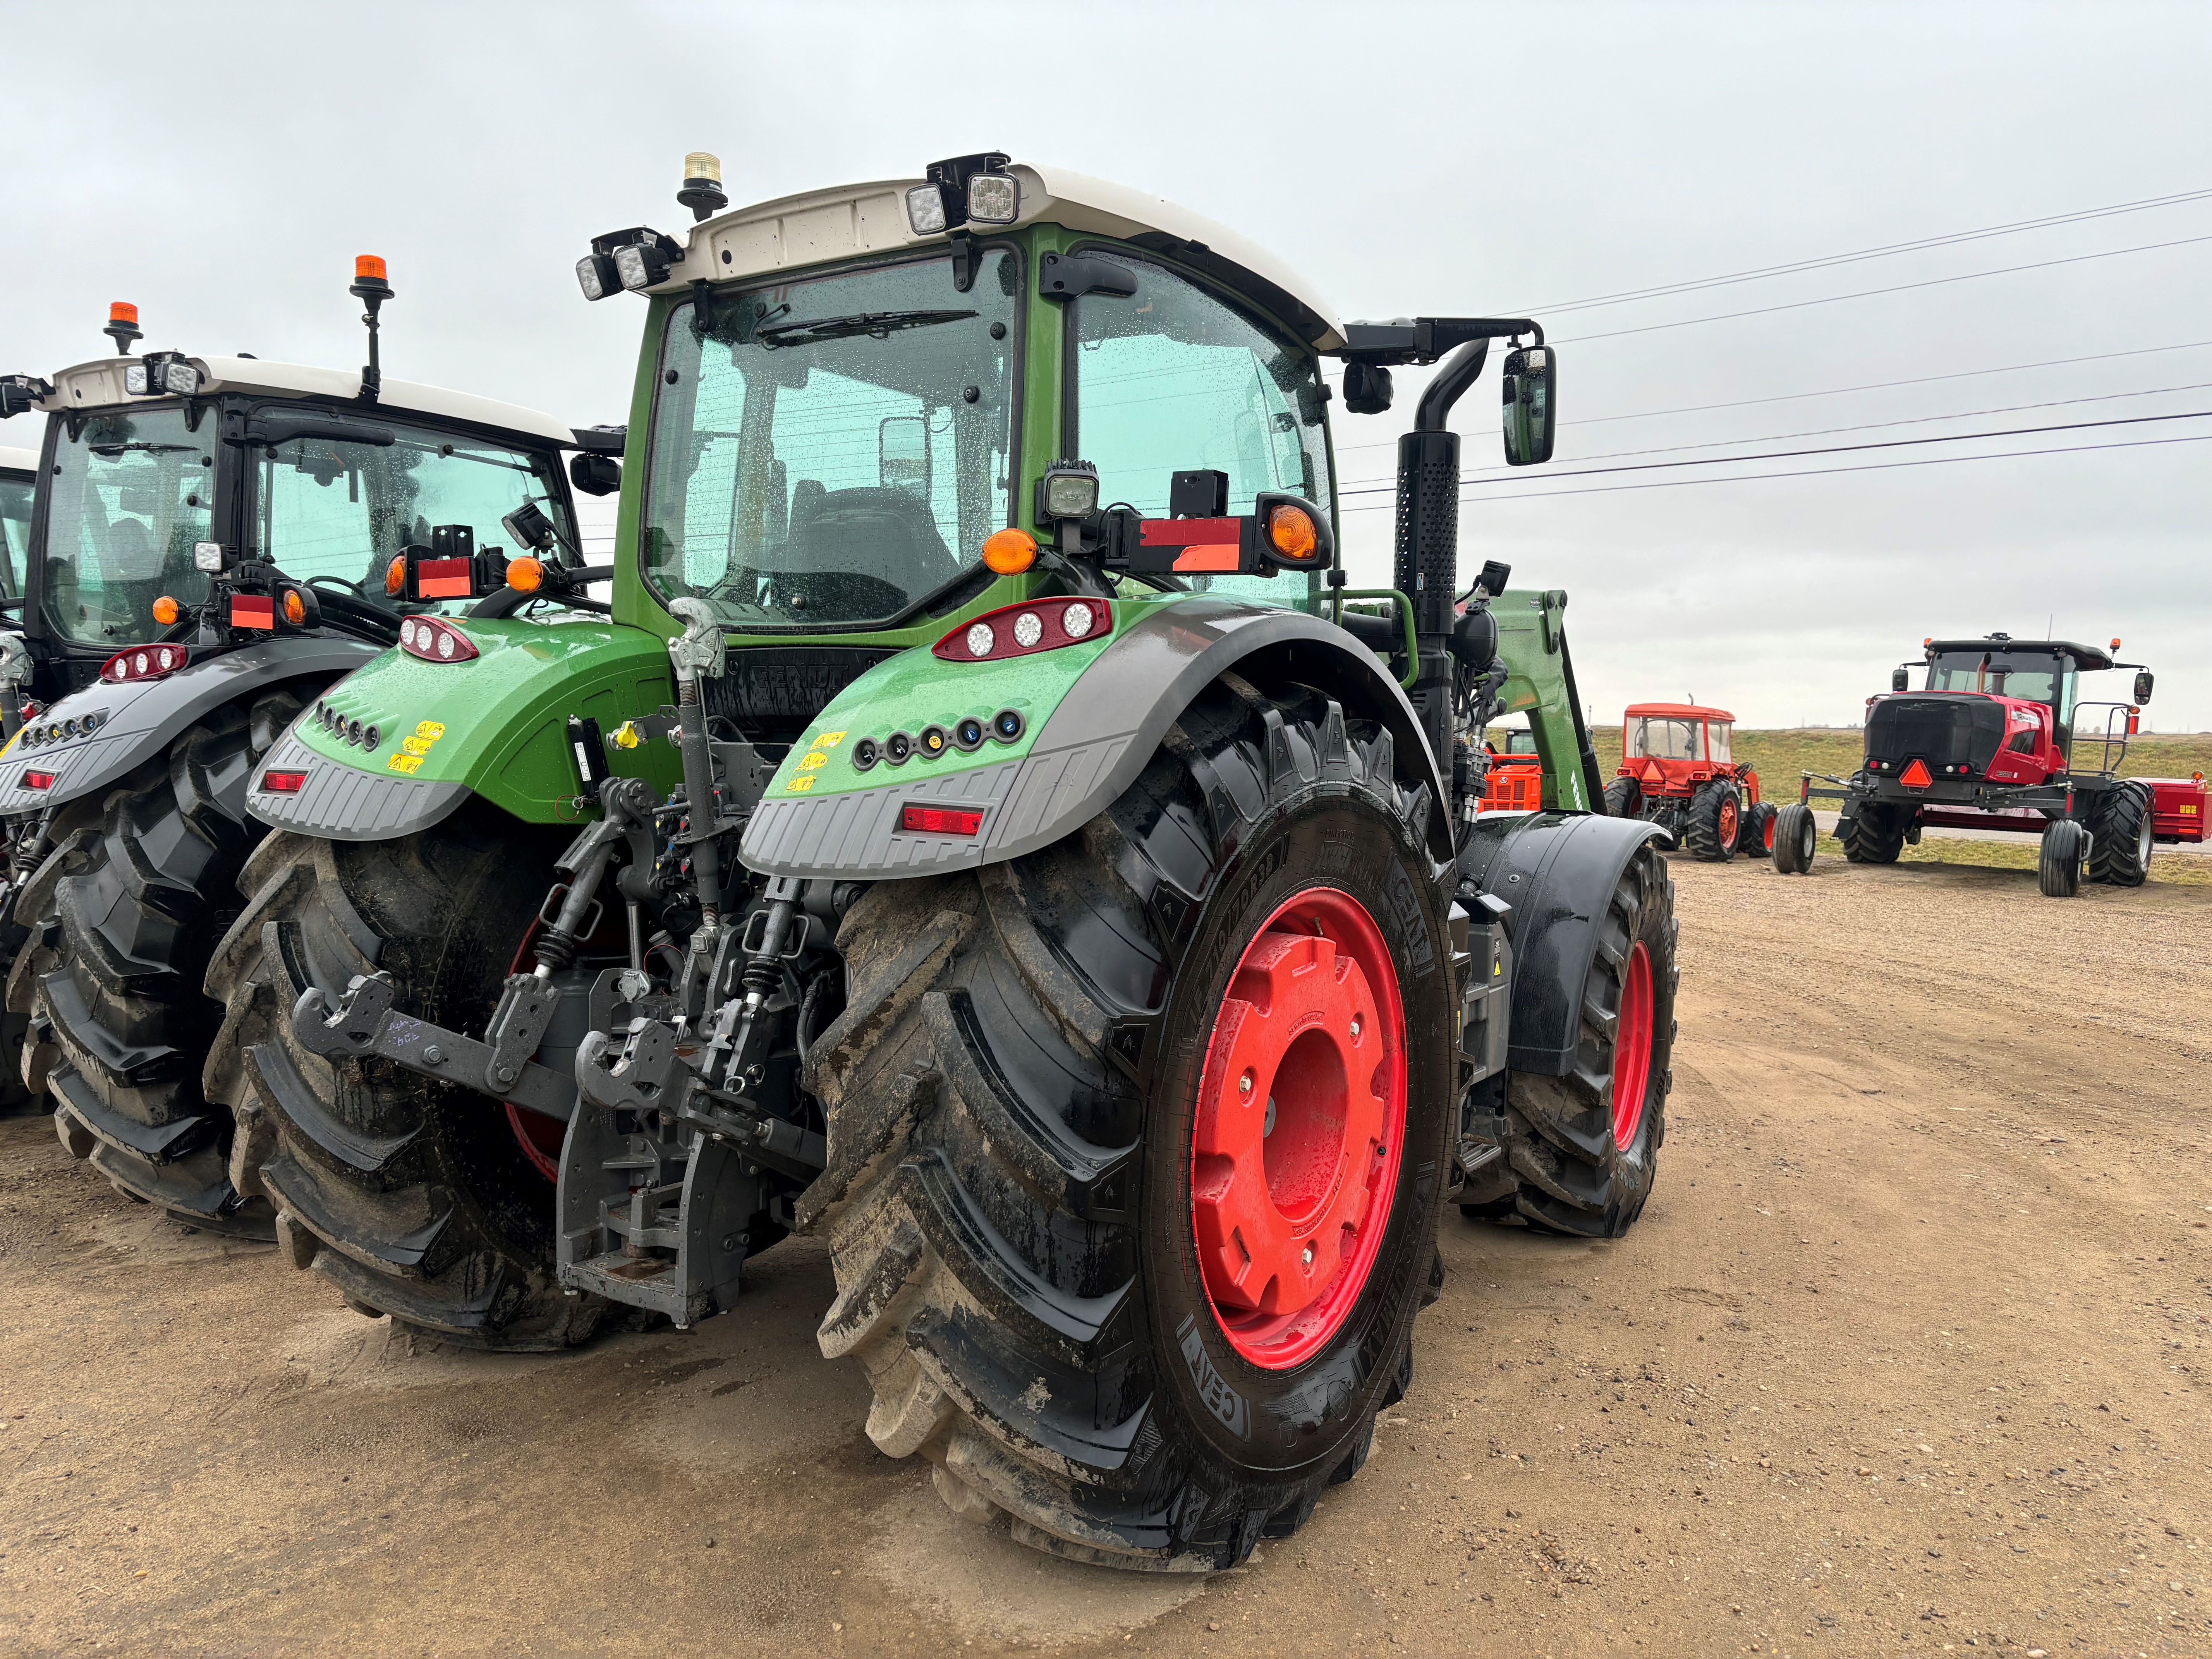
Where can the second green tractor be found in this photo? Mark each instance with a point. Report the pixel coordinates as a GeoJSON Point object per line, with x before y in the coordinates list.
{"type": "Point", "coordinates": [986, 833]}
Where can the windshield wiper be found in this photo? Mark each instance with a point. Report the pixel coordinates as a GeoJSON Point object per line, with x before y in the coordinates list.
{"type": "Point", "coordinates": [144, 446]}
{"type": "Point", "coordinates": [874, 323]}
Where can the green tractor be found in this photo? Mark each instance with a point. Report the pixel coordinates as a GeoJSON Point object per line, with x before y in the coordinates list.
{"type": "Point", "coordinates": [989, 835]}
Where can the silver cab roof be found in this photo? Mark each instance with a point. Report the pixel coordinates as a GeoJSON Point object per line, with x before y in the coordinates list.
{"type": "Point", "coordinates": [851, 219]}
{"type": "Point", "coordinates": [98, 383]}
{"type": "Point", "coordinates": [18, 460]}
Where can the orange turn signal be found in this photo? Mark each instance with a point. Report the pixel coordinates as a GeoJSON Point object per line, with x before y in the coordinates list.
{"type": "Point", "coordinates": [395, 576]}
{"type": "Point", "coordinates": [1010, 552]}
{"type": "Point", "coordinates": [295, 606]}
{"type": "Point", "coordinates": [525, 574]}
{"type": "Point", "coordinates": [165, 610]}
{"type": "Point", "coordinates": [1290, 531]}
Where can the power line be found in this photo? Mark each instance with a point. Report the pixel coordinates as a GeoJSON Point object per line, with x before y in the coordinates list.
{"type": "Point", "coordinates": [1870, 426]}
{"type": "Point", "coordinates": [1815, 471]}
{"type": "Point", "coordinates": [1896, 287]}
{"type": "Point", "coordinates": [1948, 240]}
{"type": "Point", "coordinates": [1838, 391]}
{"type": "Point", "coordinates": [1842, 449]}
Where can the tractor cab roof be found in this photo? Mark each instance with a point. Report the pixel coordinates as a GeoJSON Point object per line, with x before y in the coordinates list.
{"type": "Point", "coordinates": [99, 385]}
{"type": "Point", "coordinates": [1679, 711]}
{"type": "Point", "coordinates": [2088, 657]}
{"type": "Point", "coordinates": [18, 460]}
{"type": "Point", "coordinates": [851, 221]}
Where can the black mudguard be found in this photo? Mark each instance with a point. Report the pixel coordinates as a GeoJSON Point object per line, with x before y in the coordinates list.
{"type": "Point", "coordinates": [139, 719]}
{"type": "Point", "coordinates": [1558, 871]}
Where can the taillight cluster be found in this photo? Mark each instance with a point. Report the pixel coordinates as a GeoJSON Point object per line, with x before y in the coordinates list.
{"type": "Point", "coordinates": [1016, 630]}
{"type": "Point", "coordinates": [146, 662]}
{"type": "Point", "coordinates": [435, 640]}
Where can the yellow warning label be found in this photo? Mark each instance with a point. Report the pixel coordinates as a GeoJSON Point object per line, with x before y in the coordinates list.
{"type": "Point", "coordinates": [799, 786]}
{"type": "Point", "coordinates": [430, 729]}
{"type": "Point", "coordinates": [828, 740]}
{"type": "Point", "coordinates": [403, 762]}
{"type": "Point", "coordinates": [812, 761]}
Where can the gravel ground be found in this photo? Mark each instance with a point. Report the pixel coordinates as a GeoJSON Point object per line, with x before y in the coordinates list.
{"type": "Point", "coordinates": [1907, 1355]}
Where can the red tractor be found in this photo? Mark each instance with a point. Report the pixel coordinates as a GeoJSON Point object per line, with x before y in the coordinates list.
{"type": "Point", "coordinates": [1676, 769]}
{"type": "Point", "coordinates": [1989, 743]}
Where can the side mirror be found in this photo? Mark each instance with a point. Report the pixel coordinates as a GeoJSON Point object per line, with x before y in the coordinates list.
{"type": "Point", "coordinates": [1899, 679]}
{"type": "Point", "coordinates": [903, 453]}
{"type": "Point", "coordinates": [1531, 383]}
{"type": "Point", "coordinates": [595, 475]}
{"type": "Point", "coordinates": [2142, 686]}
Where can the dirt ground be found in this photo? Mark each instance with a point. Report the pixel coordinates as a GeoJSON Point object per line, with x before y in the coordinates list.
{"type": "Point", "coordinates": [1908, 1354]}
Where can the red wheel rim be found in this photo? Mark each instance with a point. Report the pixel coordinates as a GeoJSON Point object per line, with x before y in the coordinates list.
{"type": "Point", "coordinates": [1728, 822]}
{"type": "Point", "coordinates": [1632, 1047]}
{"type": "Point", "coordinates": [539, 1136]}
{"type": "Point", "coordinates": [1767, 832]}
{"type": "Point", "coordinates": [1288, 1224]}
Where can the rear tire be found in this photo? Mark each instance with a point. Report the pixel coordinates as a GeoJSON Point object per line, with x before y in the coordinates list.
{"type": "Point", "coordinates": [2065, 848]}
{"type": "Point", "coordinates": [1714, 824]}
{"type": "Point", "coordinates": [1584, 1147]}
{"type": "Point", "coordinates": [1795, 836]}
{"type": "Point", "coordinates": [1876, 835]}
{"type": "Point", "coordinates": [1623, 799]}
{"type": "Point", "coordinates": [1018, 1097]}
{"type": "Point", "coordinates": [2120, 835]}
{"type": "Point", "coordinates": [413, 1196]}
{"type": "Point", "coordinates": [119, 993]}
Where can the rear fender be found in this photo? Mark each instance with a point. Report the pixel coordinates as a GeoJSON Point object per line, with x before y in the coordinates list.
{"type": "Point", "coordinates": [494, 725]}
{"type": "Point", "coordinates": [1558, 871]}
{"type": "Point", "coordinates": [139, 719]}
{"type": "Point", "coordinates": [1092, 716]}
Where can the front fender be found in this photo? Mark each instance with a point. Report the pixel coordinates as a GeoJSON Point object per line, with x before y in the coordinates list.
{"type": "Point", "coordinates": [1093, 716]}
{"type": "Point", "coordinates": [1558, 871]}
{"type": "Point", "coordinates": [139, 719]}
{"type": "Point", "coordinates": [495, 725]}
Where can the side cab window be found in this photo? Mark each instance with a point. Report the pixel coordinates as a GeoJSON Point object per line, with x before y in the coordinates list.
{"type": "Point", "coordinates": [1172, 379]}
{"type": "Point", "coordinates": [1717, 739]}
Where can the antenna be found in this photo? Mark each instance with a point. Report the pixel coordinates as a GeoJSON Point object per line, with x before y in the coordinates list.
{"type": "Point", "coordinates": [370, 288]}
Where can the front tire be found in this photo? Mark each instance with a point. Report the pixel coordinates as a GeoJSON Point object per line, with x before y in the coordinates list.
{"type": "Point", "coordinates": [1584, 1147]}
{"type": "Point", "coordinates": [2120, 835]}
{"type": "Point", "coordinates": [1041, 1157]}
{"type": "Point", "coordinates": [1623, 799]}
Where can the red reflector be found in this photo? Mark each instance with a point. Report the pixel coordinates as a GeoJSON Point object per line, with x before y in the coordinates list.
{"type": "Point", "coordinates": [1916, 776]}
{"type": "Point", "coordinates": [253, 610]}
{"type": "Point", "coordinates": [446, 578]}
{"type": "Point", "coordinates": [940, 820]}
{"type": "Point", "coordinates": [38, 779]}
{"type": "Point", "coordinates": [283, 783]}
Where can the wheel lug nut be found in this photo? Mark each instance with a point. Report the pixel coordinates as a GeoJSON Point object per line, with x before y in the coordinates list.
{"type": "Point", "coordinates": [1355, 1030]}
{"type": "Point", "coordinates": [1244, 1083]}
{"type": "Point", "coordinates": [1306, 1256]}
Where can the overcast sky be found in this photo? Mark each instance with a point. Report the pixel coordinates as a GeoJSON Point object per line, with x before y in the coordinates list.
{"type": "Point", "coordinates": [222, 164]}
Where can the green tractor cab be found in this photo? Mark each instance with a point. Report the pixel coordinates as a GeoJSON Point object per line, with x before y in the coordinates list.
{"type": "Point", "coordinates": [218, 542]}
{"type": "Point", "coordinates": [988, 835]}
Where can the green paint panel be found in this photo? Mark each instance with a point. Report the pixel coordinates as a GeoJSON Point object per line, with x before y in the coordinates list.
{"type": "Point", "coordinates": [916, 689]}
{"type": "Point", "coordinates": [499, 722]}
{"type": "Point", "coordinates": [1530, 635]}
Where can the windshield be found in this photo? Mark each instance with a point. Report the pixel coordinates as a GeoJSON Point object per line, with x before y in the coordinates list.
{"type": "Point", "coordinates": [15, 489]}
{"type": "Point", "coordinates": [2030, 676]}
{"type": "Point", "coordinates": [337, 513]}
{"type": "Point", "coordinates": [832, 452]}
{"type": "Point", "coordinates": [132, 492]}
{"type": "Point", "coordinates": [1662, 739]}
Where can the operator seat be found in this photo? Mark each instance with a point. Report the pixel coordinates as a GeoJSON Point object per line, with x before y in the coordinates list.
{"type": "Point", "coordinates": [848, 545]}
